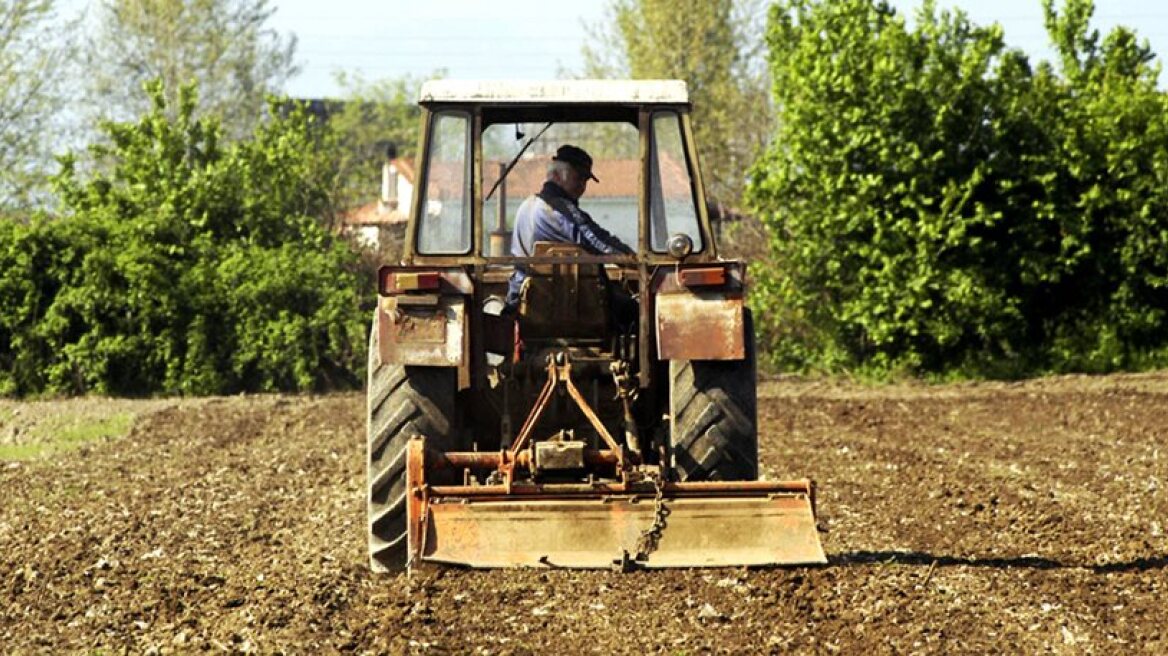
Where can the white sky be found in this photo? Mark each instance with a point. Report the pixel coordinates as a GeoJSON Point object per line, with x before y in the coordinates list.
{"type": "Point", "coordinates": [471, 39]}
{"type": "Point", "coordinates": [530, 39]}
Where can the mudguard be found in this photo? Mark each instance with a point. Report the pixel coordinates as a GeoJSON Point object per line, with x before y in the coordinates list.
{"type": "Point", "coordinates": [422, 329]}
{"type": "Point", "coordinates": [421, 317]}
{"type": "Point", "coordinates": [699, 313]}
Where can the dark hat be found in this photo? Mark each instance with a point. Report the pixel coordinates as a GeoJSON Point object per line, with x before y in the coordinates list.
{"type": "Point", "coordinates": [579, 159]}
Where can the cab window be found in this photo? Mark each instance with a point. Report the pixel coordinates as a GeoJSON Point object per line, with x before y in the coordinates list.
{"type": "Point", "coordinates": [612, 202]}
{"type": "Point", "coordinates": [445, 225]}
{"type": "Point", "coordinates": [671, 204]}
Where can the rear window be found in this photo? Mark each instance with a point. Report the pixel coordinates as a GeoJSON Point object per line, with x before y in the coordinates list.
{"type": "Point", "coordinates": [445, 225]}
{"type": "Point", "coordinates": [612, 202]}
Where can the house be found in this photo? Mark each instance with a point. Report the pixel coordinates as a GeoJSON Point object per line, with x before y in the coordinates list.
{"type": "Point", "coordinates": [381, 223]}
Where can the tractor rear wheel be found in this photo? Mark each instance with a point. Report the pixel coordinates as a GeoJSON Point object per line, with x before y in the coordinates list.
{"type": "Point", "coordinates": [403, 401]}
{"type": "Point", "coordinates": [714, 409]}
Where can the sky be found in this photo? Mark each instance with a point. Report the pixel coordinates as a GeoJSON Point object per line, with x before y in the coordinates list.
{"type": "Point", "coordinates": [541, 39]}
{"type": "Point", "coordinates": [469, 39]}
{"type": "Point", "coordinates": [533, 39]}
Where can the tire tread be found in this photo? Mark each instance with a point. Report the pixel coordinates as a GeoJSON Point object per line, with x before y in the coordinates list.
{"type": "Point", "coordinates": [402, 401]}
{"type": "Point", "coordinates": [714, 423]}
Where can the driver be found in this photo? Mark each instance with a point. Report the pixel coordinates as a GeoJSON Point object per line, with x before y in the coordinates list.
{"type": "Point", "coordinates": [553, 214]}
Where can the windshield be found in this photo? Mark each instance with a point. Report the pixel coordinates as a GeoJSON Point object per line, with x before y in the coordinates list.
{"type": "Point", "coordinates": [612, 202]}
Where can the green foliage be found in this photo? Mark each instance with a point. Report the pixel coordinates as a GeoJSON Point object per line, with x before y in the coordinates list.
{"type": "Point", "coordinates": [184, 265]}
{"type": "Point", "coordinates": [935, 205]}
{"type": "Point", "coordinates": [714, 47]}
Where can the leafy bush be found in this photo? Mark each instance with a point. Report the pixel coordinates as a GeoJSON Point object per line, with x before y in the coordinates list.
{"type": "Point", "coordinates": [935, 205]}
{"type": "Point", "coordinates": [184, 265]}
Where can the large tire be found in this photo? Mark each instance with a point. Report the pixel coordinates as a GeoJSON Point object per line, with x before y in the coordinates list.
{"type": "Point", "coordinates": [714, 409]}
{"type": "Point", "coordinates": [403, 401]}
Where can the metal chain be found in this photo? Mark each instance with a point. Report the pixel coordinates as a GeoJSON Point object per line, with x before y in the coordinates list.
{"type": "Point", "coordinates": [647, 543]}
{"type": "Point", "coordinates": [622, 378]}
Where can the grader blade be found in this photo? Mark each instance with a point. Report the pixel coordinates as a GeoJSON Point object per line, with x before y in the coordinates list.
{"type": "Point", "coordinates": [604, 525]}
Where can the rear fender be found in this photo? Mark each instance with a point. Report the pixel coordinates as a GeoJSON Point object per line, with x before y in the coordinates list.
{"type": "Point", "coordinates": [698, 311]}
{"type": "Point", "coordinates": [428, 331]}
{"type": "Point", "coordinates": [423, 324]}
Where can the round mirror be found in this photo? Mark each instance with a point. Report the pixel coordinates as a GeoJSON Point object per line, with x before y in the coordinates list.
{"type": "Point", "coordinates": [494, 306]}
{"type": "Point", "coordinates": [680, 245]}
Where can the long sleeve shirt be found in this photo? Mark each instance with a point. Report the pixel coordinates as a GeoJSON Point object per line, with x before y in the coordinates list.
{"type": "Point", "coordinates": [552, 215]}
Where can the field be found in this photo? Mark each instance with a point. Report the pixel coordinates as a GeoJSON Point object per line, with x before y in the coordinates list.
{"type": "Point", "coordinates": [980, 518]}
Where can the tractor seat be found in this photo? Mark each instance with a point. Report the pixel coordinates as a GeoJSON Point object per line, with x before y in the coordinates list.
{"type": "Point", "coordinates": [563, 299]}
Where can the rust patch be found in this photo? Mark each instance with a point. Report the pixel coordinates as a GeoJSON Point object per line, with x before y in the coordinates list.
{"type": "Point", "coordinates": [594, 530]}
{"type": "Point", "coordinates": [704, 326]}
{"type": "Point", "coordinates": [431, 333]}
{"type": "Point", "coordinates": [416, 501]}
{"type": "Point", "coordinates": [420, 325]}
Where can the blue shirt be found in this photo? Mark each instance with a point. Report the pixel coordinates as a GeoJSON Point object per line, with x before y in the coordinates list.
{"type": "Point", "coordinates": [552, 215]}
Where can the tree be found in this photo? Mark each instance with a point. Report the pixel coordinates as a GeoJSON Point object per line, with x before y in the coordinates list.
{"type": "Point", "coordinates": [185, 264]}
{"type": "Point", "coordinates": [716, 47]}
{"type": "Point", "coordinates": [31, 74]}
{"type": "Point", "coordinates": [937, 205]}
{"type": "Point", "coordinates": [869, 186]}
{"type": "Point", "coordinates": [1112, 209]}
{"type": "Point", "coordinates": [224, 46]}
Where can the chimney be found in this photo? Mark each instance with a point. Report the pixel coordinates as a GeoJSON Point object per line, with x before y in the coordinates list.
{"type": "Point", "coordinates": [388, 201]}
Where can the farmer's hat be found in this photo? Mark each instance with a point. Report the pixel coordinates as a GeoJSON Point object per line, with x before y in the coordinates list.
{"type": "Point", "coordinates": [579, 159]}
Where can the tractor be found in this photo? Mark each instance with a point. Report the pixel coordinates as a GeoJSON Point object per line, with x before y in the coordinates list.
{"type": "Point", "coordinates": [544, 433]}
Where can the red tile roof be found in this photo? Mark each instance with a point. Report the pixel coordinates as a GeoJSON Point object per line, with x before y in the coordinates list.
{"type": "Point", "coordinates": [405, 167]}
{"type": "Point", "coordinates": [371, 214]}
{"type": "Point", "coordinates": [619, 178]}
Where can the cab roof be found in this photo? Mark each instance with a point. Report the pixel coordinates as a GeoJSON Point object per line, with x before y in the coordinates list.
{"type": "Point", "coordinates": [641, 92]}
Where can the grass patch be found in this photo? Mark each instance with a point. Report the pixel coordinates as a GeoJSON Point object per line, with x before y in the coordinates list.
{"type": "Point", "coordinates": [115, 425]}
{"type": "Point", "coordinates": [21, 451]}
{"type": "Point", "coordinates": [67, 436]}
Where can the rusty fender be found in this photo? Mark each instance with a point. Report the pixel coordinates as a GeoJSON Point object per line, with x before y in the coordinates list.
{"type": "Point", "coordinates": [701, 321]}
{"type": "Point", "coordinates": [422, 329]}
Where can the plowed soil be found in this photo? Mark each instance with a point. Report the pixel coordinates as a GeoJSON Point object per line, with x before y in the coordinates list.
{"type": "Point", "coordinates": [991, 518]}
